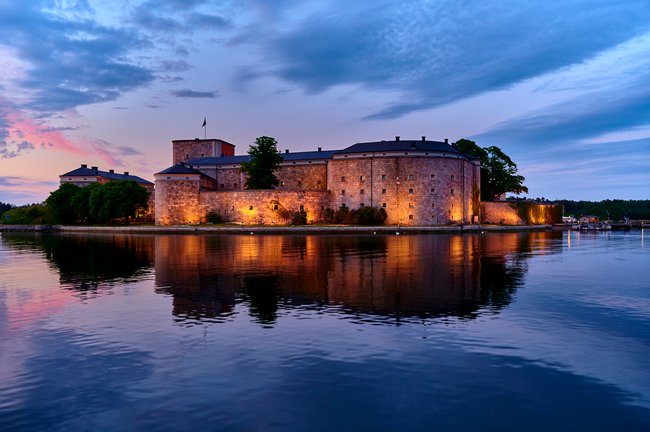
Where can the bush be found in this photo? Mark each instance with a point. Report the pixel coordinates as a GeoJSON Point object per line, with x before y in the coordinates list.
{"type": "Point", "coordinates": [299, 218]}
{"type": "Point", "coordinates": [360, 216]}
{"type": "Point", "coordinates": [34, 214]}
{"type": "Point", "coordinates": [370, 216]}
{"type": "Point", "coordinates": [213, 217]}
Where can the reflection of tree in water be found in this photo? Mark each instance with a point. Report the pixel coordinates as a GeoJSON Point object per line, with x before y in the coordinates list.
{"type": "Point", "coordinates": [262, 294]}
{"type": "Point", "coordinates": [84, 262]}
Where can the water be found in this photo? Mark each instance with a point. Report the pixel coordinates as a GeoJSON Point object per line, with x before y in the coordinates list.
{"type": "Point", "coordinates": [508, 332]}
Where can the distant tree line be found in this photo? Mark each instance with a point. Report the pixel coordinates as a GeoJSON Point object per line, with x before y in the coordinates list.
{"type": "Point", "coordinates": [5, 207]}
{"type": "Point", "coordinates": [608, 209]}
{"type": "Point", "coordinates": [115, 201]}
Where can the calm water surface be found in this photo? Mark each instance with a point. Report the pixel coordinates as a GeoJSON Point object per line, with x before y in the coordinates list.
{"type": "Point", "coordinates": [498, 332]}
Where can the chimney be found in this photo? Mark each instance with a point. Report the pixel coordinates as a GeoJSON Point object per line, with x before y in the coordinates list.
{"type": "Point", "coordinates": [424, 138]}
{"type": "Point", "coordinates": [126, 173]}
{"type": "Point", "coordinates": [84, 166]}
{"type": "Point", "coordinates": [286, 151]}
{"type": "Point", "coordinates": [446, 140]}
{"type": "Point", "coordinates": [320, 149]}
{"type": "Point", "coordinates": [93, 168]}
{"type": "Point", "coordinates": [111, 171]}
{"type": "Point", "coordinates": [397, 138]}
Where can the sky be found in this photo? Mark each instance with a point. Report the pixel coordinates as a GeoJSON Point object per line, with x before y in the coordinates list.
{"type": "Point", "coordinates": [562, 87]}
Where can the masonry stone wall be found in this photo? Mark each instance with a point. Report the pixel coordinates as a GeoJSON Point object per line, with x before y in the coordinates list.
{"type": "Point", "coordinates": [303, 176]}
{"type": "Point", "coordinates": [191, 149]}
{"type": "Point", "coordinates": [417, 190]}
{"type": "Point", "coordinates": [268, 207]}
{"type": "Point", "coordinates": [177, 201]}
{"type": "Point", "coordinates": [504, 212]}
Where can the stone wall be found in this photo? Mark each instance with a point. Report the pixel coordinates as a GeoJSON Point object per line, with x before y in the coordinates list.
{"type": "Point", "coordinates": [177, 201]}
{"type": "Point", "coordinates": [184, 150]}
{"type": "Point", "coordinates": [303, 176]}
{"type": "Point", "coordinates": [505, 212]}
{"type": "Point", "coordinates": [415, 190]}
{"type": "Point", "coordinates": [269, 206]}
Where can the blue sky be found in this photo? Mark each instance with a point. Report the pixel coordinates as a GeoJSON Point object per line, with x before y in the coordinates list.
{"type": "Point", "coordinates": [562, 87]}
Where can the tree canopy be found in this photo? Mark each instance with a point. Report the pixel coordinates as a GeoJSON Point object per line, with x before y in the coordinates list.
{"type": "Point", "coordinates": [498, 171]}
{"type": "Point", "coordinates": [265, 160]}
{"type": "Point", "coordinates": [97, 203]}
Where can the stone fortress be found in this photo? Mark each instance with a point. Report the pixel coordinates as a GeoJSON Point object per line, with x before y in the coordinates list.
{"type": "Point", "coordinates": [417, 182]}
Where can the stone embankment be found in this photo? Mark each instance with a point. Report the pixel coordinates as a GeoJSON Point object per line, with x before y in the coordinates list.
{"type": "Point", "coordinates": [236, 229]}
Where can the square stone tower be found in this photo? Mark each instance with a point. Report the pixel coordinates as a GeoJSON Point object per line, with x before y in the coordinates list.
{"type": "Point", "coordinates": [184, 150]}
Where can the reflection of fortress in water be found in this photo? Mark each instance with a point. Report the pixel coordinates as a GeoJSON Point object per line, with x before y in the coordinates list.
{"type": "Point", "coordinates": [393, 277]}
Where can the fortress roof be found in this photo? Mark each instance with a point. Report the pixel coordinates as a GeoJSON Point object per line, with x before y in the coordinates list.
{"type": "Point", "coordinates": [180, 168]}
{"type": "Point", "coordinates": [400, 145]}
{"type": "Point", "coordinates": [287, 157]}
{"type": "Point", "coordinates": [84, 171]}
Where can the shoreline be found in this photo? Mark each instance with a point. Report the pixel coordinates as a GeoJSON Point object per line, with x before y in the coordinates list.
{"type": "Point", "coordinates": [202, 229]}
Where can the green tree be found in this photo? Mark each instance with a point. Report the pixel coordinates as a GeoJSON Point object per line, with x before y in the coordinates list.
{"type": "Point", "coordinates": [265, 159]}
{"type": "Point", "coordinates": [60, 203]}
{"type": "Point", "coordinates": [116, 200]}
{"type": "Point", "coordinates": [498, 171]}
{"type": "Point", "coordinates": [5, 207]}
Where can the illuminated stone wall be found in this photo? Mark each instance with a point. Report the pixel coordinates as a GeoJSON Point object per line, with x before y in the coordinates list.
{"type": "Point", "coordinates": [414, 190]}
{"type": "Point", "coordinates": [177, 201]}
{"type": "Point", "coordinates": [503, 212]}
{"type": "Point", "coordinates": [268, 207]}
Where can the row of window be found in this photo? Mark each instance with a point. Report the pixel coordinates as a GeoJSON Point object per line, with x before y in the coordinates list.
{"type": "Point", "coordinates": [383, 191]}
{"type": "Point", "coordinates": [410, 177]}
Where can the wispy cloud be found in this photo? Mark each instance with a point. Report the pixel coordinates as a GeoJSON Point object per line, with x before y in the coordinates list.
{"type": "Point", "coordinates": [73, 61]}
{"type": "Point", "coordinates": [186, 93]}
{"type": "Point", "coordinates": [434, 53]}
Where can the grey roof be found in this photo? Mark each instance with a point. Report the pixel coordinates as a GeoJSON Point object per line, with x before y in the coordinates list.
{"type": "Point", "coordinates": [401, 145]}
{"type": "Point", "coordinates": [180, 168]}
{"type": "Point", "coordinates": [89, 172]}
{"type": "Point", "coordinates": [287, 157]}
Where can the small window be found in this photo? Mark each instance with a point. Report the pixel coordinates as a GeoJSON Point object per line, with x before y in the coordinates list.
{"type": "Point", "coordinates": [410, 216]}
{"type": "Point", "coordinates": [452, 191]}
{"type": "Point", "coordinates": [362, 205]}
{"type": "Point", "coordinates": [383, 176]}
{"type": "Point", "coordinates": [223, 186]}
{"type": "Point", "coordinates": [322, 207]}
{"type": "Point", "coordinates": [364, 155]}
{"type": "Point", "coordinates": [406, 153]}
{"type": "Point", "coordinates": [318, 182]}
{"type": "Point", "coordinates": [250, 208]}
{"type": "Point", "coordinates": [383, 191]}
{"type": "Point", "coordinates": [411, 191]}
{"type": "Point", "coordinates": [452, 176]}
{"type": "Point", "coordinates": [309, 162]}
{"type": "Point", "coordinates": [281, 183]}
{"type": "Point", "coordinates": [411, 177]}
{"type": "Point", "coordinates": [234, 185]}
{"type": "Point", "coordinates": [433, 190]}
{"type": "Point", "coordinates": [187, 155]}
{"type": "Point", "coordinates": [362, 178]}
{"type": "Point", "coordinates": [343, 178]}
{"type": "Point", "coordinates": [343, 205]}
{"type": "Point", "coordinates": [202, 154]}
{"type": "Point", "coordinates": [383, 205]}
{"type": "Point", "coordinates": [362, 192]}
{"type": "Point", "coordinates": [187, 178]}
{"type": "Point", "coordinates": [384, 154]}
{"type": "Point", "coordinates": [342, 191]}
{"type": "Point", "coordinates": [299, 183]}
{"type": "Point", "coordinates": [168, 178]}
{"type": "Point", "coordinates": [411, 205]}
{"type": "Point", "coordinates": [433, 205]}
{"type": "Point", "coordinates": [275, 207]}
{"type": "Point", "coordinates": [433, 216]}
{"type": "Point", "coordinates": [433, 176]}
{"type": "Point", "coordinates": [293, 163]}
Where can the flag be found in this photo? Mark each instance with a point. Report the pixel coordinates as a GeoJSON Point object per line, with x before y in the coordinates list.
{"type": "Point", "coordinates": [204, 121]}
